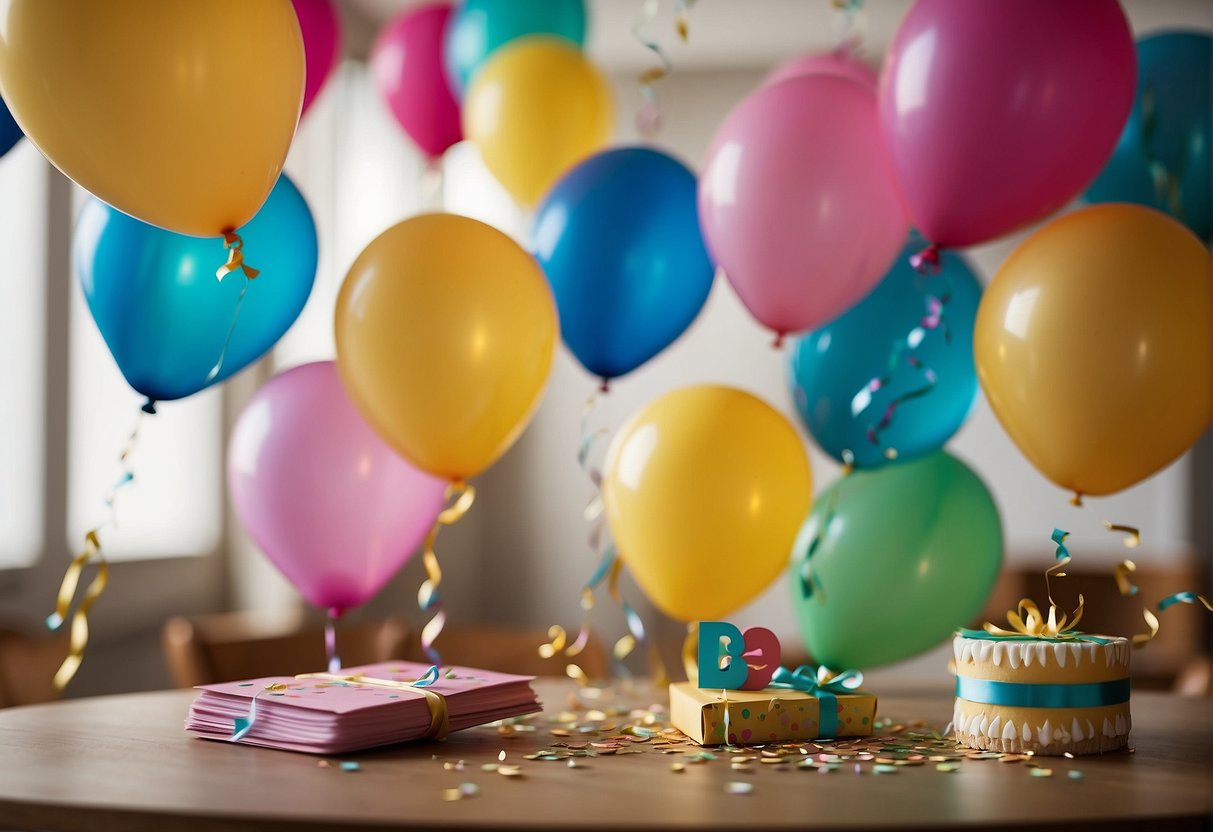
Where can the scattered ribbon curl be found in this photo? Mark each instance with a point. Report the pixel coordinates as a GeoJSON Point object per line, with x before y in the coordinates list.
{"type": "Point", "coordinates": [459, 496]}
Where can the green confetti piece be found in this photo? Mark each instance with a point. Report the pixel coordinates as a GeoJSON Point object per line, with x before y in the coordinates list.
{"type": "Point", "coordinates": [1041, 772]}
{"type": "Point", "coordinates": [882, 768]}
{"type": "Point", "coordinates": [1075, 774]}
{"type": "Point", "coordinates": [947, 768]}
{"type": "Point", "coordinates": [350, 765]}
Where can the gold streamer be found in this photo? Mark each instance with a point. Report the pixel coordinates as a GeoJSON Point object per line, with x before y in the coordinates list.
{"type": "Point", "coordinates": [1143, 639]}
{"type": "Point", "coordinates": [235, 258]}
{"type": "Point", "coordinates": [67, 590]}
{"type": "Point", "coordinates": [557, 638]}
{"type": "Point", "coordinates": [463, 495]}
{"type": "Point", "coordinates": [1133, 538]}
{"type": "Point", "coordinates": [91, 551]}
{"type": "Point", "coordinates": [1123, 582]}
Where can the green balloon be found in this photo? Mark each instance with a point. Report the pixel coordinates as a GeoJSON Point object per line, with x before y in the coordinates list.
{"type": "Point", "coordinates": [905, 554]}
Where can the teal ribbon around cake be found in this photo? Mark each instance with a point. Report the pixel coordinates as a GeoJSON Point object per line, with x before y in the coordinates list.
{"type": "Point", "coordinates": [823, 684]}
{"type": "Point", "coordinates": [1023, 695]}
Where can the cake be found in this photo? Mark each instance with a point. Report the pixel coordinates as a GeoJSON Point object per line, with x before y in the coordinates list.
{"type": "Point", "coordinates": [1041, 695]}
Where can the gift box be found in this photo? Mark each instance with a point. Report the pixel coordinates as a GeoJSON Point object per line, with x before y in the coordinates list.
{"type": "Point", "coordinates": [769, 715]}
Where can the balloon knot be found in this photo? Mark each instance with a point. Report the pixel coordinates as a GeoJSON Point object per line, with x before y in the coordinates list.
{"type": "Point", "coordinates": [927, 260]}
{"type": "Point", "coordinates": [149, 406]}
{"type": "Point", "coordinates": [777, 344]}
{"type": "Point", "coordinates": [235, 257]}
{"type": "Point", "coordinates": [605, 387]}
{"type": "Point", "coordinates": [1076, 500]}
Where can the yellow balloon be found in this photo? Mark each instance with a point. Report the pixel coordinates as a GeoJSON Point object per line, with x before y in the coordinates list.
{"type": "Point", "coordinates": [535, 109]}
{"type": "Point", "coordinates": [178, 113]}
{"type": "Point", "coordinates": [445, 336]}
{"type": "Point", "coordinates": [1092, 344]}
{"type": "Point", "coordinates": [705, 489]}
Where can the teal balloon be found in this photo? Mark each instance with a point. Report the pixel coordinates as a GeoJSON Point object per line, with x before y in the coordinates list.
{"type": "Point", "coordinates": [480, 27]}
{"type": "Point", "coordinates": [903, 556]}
{"type": "Point", "coordinates": [160, 308]}
{"type": "Point", "coordinates": [828, 367]}
{"type": "Point", "coordinates": [1162, 157]}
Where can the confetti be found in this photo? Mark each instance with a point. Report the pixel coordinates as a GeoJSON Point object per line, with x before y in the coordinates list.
{"type": "Point", "coordinates": [350, 765]}
{"type": "Point", "coordinates": [678, 768]}
{"type": "Point", "coordinates": [738, 787]}
{"type": "Point", "coordinates": [1041, 772]}
{"type": "Point", "coordinates": [884, 769]}
{"type": "Point", "coordinates": [510, 771]}
{"type": "Point", "coordinates": [947, 768]}
{"type": "Point", "coordinates": [450, 795]}
{"type": "Point", "coordinates": [1075, 774]}
{"type": "Point", "coordinates": [501, 756]}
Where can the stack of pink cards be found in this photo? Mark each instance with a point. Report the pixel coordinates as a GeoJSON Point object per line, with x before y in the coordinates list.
{"type": "Point", "coordinates": [357, 707]}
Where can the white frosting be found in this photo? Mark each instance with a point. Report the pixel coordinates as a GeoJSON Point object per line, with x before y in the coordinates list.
{"type": "Point", "coordinates": [1029, 653]}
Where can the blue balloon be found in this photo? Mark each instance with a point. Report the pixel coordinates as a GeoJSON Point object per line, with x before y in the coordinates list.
{"type": "Point", "coordinates": [618, 238]}
{"type": "Point", "coordinates": [165, 316]}
{"type": "Point", "coordinates": [1162, 158]}
{"type": "Point", "coordinates": [481, 26]}
{"type": "Point", "coordinates": [891, 336]}
{"type": "Point", "coordinates": [10, 133]}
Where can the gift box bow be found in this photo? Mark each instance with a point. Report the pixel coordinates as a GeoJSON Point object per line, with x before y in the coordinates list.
{"type": "Point", "coordinates": [822, 683]}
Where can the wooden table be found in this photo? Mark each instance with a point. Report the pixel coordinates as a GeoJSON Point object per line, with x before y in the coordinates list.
{"type": "Point", "coordinates": [124, 763]}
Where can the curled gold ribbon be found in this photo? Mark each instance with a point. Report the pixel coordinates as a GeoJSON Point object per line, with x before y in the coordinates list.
{"type": "Point", "coordinates": [1029, 621]}
{"type": "Point", "coordinates": [460, 496]}
{"type": "Point", "coordinates": [1132, 535]}
{"type": "Point", "coordinates": [91, 551]}
{"type": "Point", "coordinates": [67, 590]}
{"type": "Point", "coordinates": [690, 652]}
{"type": "Point", "coordinates": [1123, 582]}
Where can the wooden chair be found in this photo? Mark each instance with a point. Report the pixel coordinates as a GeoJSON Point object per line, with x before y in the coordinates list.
{"type": "Point", "coordinates": [226, 647]}
{"type": "Point", "coordinates": [27, 666]}
{"type": "Point", "coordinates": [511, 650]}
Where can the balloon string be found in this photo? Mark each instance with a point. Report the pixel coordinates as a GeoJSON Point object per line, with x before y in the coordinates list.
{"type": "Point", "coordinates": [231, 330]}
{"type": "Point", "coordinates": [432, 185]}
{"type": "Point", "coordinates": [649, 117]}
{"type": "Point", "coordinates": [91, 551]}
{"type": "Point", "coordinates": [1168, 184]}
{"type": "Point", "coordinates": [460, 496]}
{"type": "Point", "coordinates": [850, 25]}
{"type": "Point", "coordinates": [810, 584]}
{"type": "Point", "coordinates": [933, 319]}
{"type": "Point", "coordinates": [330, 639]}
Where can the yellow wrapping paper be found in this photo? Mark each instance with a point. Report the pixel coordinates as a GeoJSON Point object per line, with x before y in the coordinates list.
{"type": "Point", "coordinates": [758, 716]}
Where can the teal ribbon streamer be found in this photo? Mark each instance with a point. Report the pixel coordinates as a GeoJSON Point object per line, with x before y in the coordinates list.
{"type": "Point", "coordinates": [809, 679]}
{"type": "Point", "coordinates": [1068, 635]}
{"type": "Point", "coordinates": [1020, 695]}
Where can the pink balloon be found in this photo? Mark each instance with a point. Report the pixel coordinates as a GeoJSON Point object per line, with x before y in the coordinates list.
{"type": "Point", "coordinates": [796, 204]}
{"type": "Point", "coordinates": [324, 497]}
{"type": "Point", "coordinates": [998, 113]}
{"type": "Point", "coordinates": [841, 62]}
{"type": "Point", "coordinates": [409, 72]}
{"type": "Point", "coordinates": [321, 29]}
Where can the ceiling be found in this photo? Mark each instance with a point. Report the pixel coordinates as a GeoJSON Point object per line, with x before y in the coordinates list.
{"type": "Point", "coordinates": [739, 34]}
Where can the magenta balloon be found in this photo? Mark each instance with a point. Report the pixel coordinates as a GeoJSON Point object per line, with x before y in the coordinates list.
{"type": "Point", "coordinates": [796, 203]}
{"type": "Point", "coordinates": [321, 29]}
{"type": "Point", "coordinates": [324, 497]}
{"type": "Point", "coordinates": [841, 62]}
{"type": "Point", "coordinates": [409, 72]}
{"type": "Point", "coordinates": [998, 113]}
